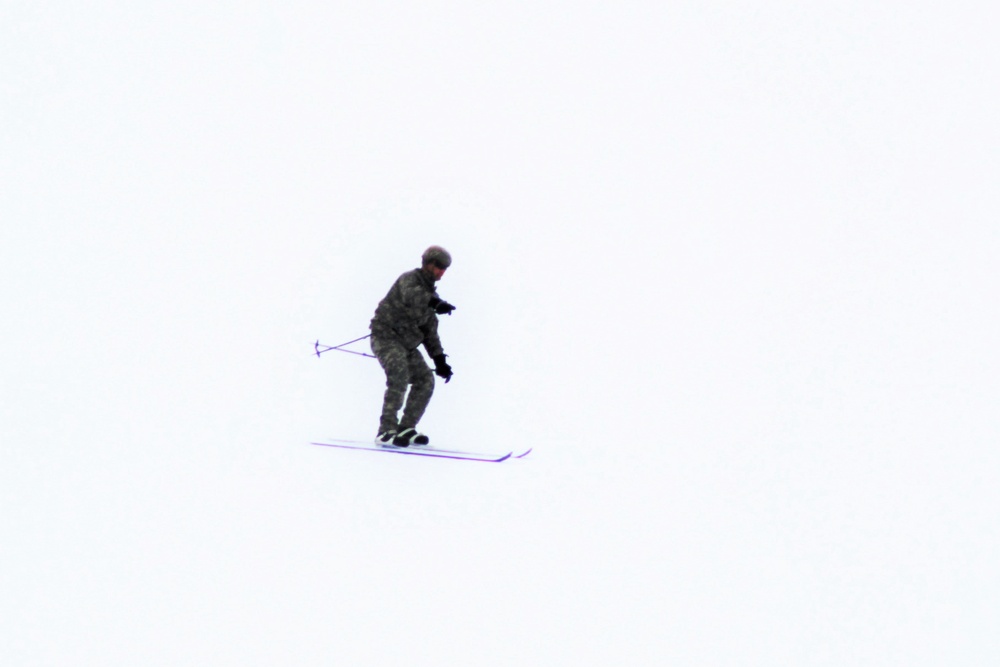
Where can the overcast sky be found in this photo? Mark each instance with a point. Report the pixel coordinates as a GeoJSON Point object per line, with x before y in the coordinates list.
{"type": "Point", "coordinates": [728, 267]}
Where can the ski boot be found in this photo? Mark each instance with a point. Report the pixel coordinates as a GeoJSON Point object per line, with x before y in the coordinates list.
{"type": "Point", "coordinates": [409, 436]}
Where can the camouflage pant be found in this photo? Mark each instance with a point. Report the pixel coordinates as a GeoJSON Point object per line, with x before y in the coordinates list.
{"type": "Point", "coordinates": [403, 368]}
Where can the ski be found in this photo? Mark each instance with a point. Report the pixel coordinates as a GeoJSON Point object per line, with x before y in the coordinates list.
{"type": "Point", "coordinates": [430, 448]}
{"type": "Point", "coordinates": [418, 450]}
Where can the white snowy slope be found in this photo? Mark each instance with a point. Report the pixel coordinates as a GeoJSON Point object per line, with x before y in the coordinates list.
{"type": "Point", "coordinates": [728, 271]}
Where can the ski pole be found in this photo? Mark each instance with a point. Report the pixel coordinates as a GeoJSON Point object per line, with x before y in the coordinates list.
{"type": "Point", "coordinates": [339, 348]}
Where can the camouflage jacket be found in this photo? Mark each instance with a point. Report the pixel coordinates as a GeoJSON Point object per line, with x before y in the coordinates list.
{"type": "Point", "coordinates": [405, 313]}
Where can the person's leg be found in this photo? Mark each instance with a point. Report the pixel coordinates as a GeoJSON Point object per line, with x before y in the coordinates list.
{"type": "Point", "coordinates": [393, 358]}
{"type": "Point", "coordinates": [421, 389]}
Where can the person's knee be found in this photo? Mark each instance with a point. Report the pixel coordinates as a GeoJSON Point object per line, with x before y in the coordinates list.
{"type": "Point", "coordinates": [397, 377]}
{"type": "Point", "coordinates": [424, 379]}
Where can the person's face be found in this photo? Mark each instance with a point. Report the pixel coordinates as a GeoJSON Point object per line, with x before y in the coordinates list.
{"type": "Point", "coordinates": [436, 271]}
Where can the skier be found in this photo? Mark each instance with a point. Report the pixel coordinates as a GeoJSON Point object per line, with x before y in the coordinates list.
{"type": "Point", "coordinates": [404, 320]}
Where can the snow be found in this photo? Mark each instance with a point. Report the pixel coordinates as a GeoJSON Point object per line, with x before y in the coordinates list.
{"type": "Point", "coordinates": [729, 271]}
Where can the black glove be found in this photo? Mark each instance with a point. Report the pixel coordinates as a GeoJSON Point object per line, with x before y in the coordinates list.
{"type": "Point", "coordinates": [442, 368]}
{"type": "Point", "coordinates": [440, 306]}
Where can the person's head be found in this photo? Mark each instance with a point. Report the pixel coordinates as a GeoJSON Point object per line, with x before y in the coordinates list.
{"type": "Point", "coordinates": [436, 261]}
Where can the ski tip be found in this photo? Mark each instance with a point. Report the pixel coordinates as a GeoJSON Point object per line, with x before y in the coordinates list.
{"type": "Point", "coordinates": [521, 456]}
